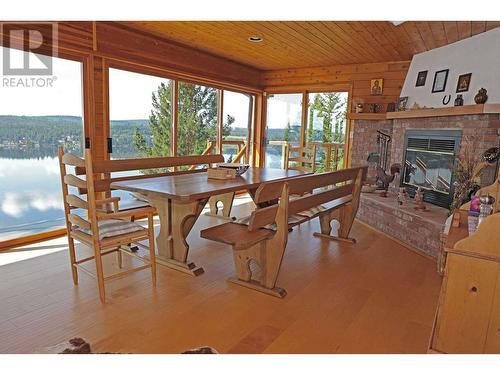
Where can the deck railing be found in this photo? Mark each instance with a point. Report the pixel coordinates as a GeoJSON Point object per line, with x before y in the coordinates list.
{"type": "Point", "coordinates": [240, 144]}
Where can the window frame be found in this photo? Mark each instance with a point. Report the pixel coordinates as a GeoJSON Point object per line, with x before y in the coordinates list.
{"type": "Point", "coordinates": [84, 59]}
{"type": "Point", "coordinates": [177, 78]}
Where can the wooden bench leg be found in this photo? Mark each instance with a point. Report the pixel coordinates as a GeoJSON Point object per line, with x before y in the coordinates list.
{"type": "Point", "coordinates": [270, 264]}
{"type": "Point", "coordinates": [346, 219]}
{"type": "Point", "coordinates": [345, 216]}
{"type": "Point", "coordinates": [227, 205]}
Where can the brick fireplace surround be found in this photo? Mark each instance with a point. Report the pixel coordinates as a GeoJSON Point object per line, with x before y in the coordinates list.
{"type": "Point", "coordinates": [416, 229]}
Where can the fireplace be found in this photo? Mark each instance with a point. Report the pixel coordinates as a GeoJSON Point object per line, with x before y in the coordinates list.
{"type": "Point", "coordinates": [429, 157]}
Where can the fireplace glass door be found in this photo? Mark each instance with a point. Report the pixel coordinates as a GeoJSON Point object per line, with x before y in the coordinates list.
{"type": "Point", "coordinates": [428, 163]}
{"type": "Point", "coordinates": [429, 170]}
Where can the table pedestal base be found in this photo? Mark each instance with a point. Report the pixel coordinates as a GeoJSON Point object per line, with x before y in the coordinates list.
{"type": "Point", "coordinates": [227, 204]}
{"type": "Point", "coordinates": [189, 267]}
{"type": "Point", "coordinates": [252, 284]}
{"type": "Point", "coordinates": [176, 221]}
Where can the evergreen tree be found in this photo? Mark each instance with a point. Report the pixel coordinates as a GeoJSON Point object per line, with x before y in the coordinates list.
{"type": "Point", "coordinates": [329, 107]}
{"type": "Point", "coordinates": [197, 119]}
{"type": "Point", "coordinates": [286, 135]}
{"type": "Point", "coordinates": [160, 121]}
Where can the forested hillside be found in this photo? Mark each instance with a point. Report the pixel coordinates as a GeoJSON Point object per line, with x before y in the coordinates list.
{"type": "Point", "coordinates": [39, 136]}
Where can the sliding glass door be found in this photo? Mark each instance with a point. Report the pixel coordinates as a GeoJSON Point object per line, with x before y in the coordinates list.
{"type": "Point", "coordinates": [237, 120]}
{"type": "Point", "coordinates": [34, 122]}
{"type": "Point", "coordinates": [326, 127]}
{"type": "Point", "coordinates": [283, 125]}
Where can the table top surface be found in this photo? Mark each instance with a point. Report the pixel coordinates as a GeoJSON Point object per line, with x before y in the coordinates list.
{"type": "Point", "coordinates": [194, 186]}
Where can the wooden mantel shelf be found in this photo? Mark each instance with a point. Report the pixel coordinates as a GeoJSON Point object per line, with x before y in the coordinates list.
{"type": "Point", "coordinates": [475, 109]}
{"type": "Point", "coordinates": [367, 116]}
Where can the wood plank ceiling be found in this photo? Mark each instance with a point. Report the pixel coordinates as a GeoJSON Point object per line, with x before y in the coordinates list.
{"type": "Point", "coordinates": [300, 44]}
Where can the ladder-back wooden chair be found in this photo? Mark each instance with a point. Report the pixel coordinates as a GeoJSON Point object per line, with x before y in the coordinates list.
{"type": "Point", "coordinates": [300, 158]}
{"type": "Point", "coordinates": [103, 231]}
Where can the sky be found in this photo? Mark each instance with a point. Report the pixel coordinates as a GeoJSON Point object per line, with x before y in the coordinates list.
{"type": "Point", "coordinates": [130, 94]}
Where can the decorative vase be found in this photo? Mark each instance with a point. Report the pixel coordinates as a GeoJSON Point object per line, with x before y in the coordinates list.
{"type": "Point", "coordinates": [481, 97]}
{"type": "Point", "coordinates": [359, 108]}
{"type": "Point", "coordinates": [459, 101]}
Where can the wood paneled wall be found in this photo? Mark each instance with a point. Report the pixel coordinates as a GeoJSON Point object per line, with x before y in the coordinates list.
{"type": "Point", "coordinates": [357, 77]}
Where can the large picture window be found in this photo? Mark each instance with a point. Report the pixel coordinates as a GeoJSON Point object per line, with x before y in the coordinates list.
{"type": "Point", "coordinates": [34, 122]}
{"type": "Point", "coordinates": [140, 114]}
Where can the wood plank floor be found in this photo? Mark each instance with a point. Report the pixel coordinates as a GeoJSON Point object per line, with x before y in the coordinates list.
{"type": "Point", "coordinates": [372, 297]}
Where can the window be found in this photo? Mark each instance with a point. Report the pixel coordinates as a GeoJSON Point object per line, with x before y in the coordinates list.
{"type": "Point", "coordinates": [326, 126]}
{"type": "Point", "coordinates": [284, 121]}
{"type": "Point", "coordinates": [197, 119]}
{"type": "Point", "coordinates": [34, 121]}
{"type": "Point", "coordinates": [140, 114]}
{"type": "Point", "coordinates": [237, 124]}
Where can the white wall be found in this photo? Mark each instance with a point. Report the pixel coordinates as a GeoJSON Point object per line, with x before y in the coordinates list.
{"type": "Point", "coordinates": [479, 55]}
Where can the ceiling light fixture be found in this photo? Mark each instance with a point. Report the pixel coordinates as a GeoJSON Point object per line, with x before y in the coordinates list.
{"type": "Point", "coordinates": [255, 39]}
{"type": "Point", "coordinates": [397, 23]}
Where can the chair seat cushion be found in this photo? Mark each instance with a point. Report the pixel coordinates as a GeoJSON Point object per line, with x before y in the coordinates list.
{"type": "Point", "coordinates": [113, 227]}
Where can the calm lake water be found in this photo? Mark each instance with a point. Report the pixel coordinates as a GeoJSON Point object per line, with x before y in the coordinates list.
{"type": "Point", "coordinates": [30, 196]}
{"type": "Point", "coordinates": [31, 199]}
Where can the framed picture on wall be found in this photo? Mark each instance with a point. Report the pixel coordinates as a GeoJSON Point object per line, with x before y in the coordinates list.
{"type": "Point", "coordinates": [402, 103]}
{"type": "Point", "coordinates": [440, 78]}
{"type": "Point", "coordinates": [376, 86]}
{"type": "Point", "coordinates": [421, 78]}
{"type": "Point", "coordinates": [463, 82]}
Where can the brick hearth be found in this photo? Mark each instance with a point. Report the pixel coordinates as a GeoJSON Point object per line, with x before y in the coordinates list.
{"type": "Point", "coordinates": [420, 230]}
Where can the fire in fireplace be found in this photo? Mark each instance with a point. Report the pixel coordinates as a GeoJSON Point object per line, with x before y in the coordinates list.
{"type": "Point", "coordinates": [428, 162]}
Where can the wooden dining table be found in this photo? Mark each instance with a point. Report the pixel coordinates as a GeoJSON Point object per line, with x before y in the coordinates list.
{"type": "Point", "coordinates": [179, 200]}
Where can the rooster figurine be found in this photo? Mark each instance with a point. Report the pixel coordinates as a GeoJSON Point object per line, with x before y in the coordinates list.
{"type": "Point", "coordinates": [384, 179]}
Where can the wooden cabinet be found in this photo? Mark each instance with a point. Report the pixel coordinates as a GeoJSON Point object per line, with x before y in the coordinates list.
{"type": "Point", "coordinates": [468, 314]}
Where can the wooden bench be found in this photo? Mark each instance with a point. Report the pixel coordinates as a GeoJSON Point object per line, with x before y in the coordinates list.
{"type": "Point", "coordinates": [104, 168]}
{"type": "Point", "coordinates": [335, 195]}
